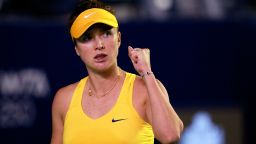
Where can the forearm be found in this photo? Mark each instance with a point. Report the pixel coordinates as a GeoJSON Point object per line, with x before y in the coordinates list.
{"type": "Point", "coordinates": [166, 124]}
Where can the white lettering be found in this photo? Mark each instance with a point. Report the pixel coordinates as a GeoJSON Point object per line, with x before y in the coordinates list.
{"type": "Point", "coordinates": [28, 82]}
{"type": "Point", "coordinates": [18, 89]}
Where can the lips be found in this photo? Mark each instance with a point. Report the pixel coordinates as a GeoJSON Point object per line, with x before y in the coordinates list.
{"type": "Point", "coordinates": [100, 57]}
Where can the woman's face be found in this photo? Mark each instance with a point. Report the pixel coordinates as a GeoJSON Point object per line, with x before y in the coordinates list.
{"type": "Point", "coordinates": [98, 47]}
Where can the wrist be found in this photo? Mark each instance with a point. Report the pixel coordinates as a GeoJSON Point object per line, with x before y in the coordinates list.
{"type": "Point", "coordinates": [147, 73]}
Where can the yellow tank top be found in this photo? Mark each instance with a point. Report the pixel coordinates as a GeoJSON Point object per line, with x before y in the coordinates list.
{"type": "Point", "coordinates": [121, 125]}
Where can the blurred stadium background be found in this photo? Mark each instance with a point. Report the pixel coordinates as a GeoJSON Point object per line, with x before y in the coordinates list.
{"type": "Point", "coordinates": [202, 50]}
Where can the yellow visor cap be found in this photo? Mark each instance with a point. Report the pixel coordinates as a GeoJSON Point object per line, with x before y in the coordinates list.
{"type": "Point", "coordinates": [90, 17]}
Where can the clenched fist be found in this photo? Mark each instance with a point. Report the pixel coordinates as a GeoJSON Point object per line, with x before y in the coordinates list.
{"type": "Point", "coordinates": [140, 58]}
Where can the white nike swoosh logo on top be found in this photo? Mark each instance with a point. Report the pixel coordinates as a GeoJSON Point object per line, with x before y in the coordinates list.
{"type": "Point", "coordinates": [86, 16]}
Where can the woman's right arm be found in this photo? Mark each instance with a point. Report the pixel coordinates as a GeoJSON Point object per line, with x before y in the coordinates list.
{"type": "Point", "coordinates": [59, 109]}
{"type": "Point", "coordinates": [57, 119]}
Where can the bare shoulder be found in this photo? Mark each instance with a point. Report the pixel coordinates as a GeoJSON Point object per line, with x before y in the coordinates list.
{"type": "Point", "coordinates": [65, 92]}
{"type": "Point", "coordinates": [63, 97]}
{"type": "Point", "coordinates": [140, 93]}
{"type": "Point", "coordinates": [139, 86]}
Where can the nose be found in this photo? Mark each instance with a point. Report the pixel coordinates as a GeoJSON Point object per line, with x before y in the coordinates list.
{"type": "Point", "coordinates": [99, 44]}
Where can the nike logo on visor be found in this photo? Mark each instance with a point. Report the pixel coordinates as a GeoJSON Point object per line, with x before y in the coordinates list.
{"type": "Point", "coordinates": [117, 120]}
{"type": "Point", "coordinates": [86, 16]}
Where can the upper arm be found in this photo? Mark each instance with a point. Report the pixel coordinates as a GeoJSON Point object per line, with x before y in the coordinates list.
{"type": "Point", "coordinates": [59, 109]}
{"type": "Point", "coordinates": [57, 119]}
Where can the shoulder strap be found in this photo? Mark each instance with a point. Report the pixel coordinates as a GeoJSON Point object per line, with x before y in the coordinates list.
{"type": "Point", "coordinates": [78, 93]}
{"type": "Point", "coordinates": [127, 89]}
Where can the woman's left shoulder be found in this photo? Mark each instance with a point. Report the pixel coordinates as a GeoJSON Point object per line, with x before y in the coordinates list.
{"type": "Point", "coordinates": [139, 84]}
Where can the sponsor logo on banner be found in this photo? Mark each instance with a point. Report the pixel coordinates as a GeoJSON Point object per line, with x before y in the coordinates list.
{"type": "Point", "coordinates": [18, 89]}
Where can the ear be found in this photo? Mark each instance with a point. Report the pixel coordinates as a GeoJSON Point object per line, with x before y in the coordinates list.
{"type": "Point", "coordinates": [77, 51]}
{"type": "Point", "coordinates": [119, 39]}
